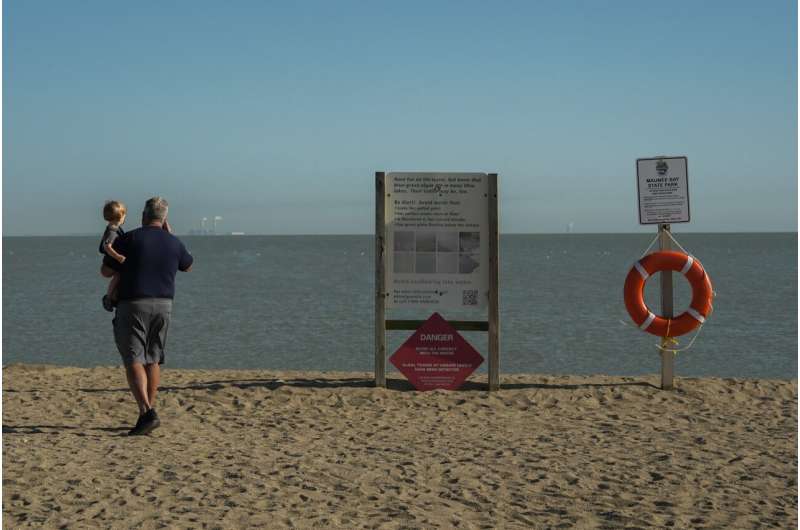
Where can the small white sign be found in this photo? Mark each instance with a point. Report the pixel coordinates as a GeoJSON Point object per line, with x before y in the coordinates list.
{"type": "Point", "coordinates": [663, 185]}
{"type": "Point", "coordinates": [437, 239]}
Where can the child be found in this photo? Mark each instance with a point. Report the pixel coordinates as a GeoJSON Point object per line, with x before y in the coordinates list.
{"type": "Point", "coordinates": [113, 212]}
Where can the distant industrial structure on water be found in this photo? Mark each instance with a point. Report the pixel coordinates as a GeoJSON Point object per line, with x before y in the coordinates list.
{"type": "Point", "coordinates": [205, 230]}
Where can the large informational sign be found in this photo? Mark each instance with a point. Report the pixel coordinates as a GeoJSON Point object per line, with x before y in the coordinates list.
{"type": "Point", "coordinates": [437, 235]}
{"type": "Point", "coordinates": [663, 190]}
{"type": "Point", "coordinates": [436, 356]}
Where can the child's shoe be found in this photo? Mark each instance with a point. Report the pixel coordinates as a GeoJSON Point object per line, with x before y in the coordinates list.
{"type": "Point", "coordinates": [108, 303]}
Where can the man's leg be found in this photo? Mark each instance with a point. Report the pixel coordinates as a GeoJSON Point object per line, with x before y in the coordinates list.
{"type": "Point", "coordinates": [137, 381]}
{"type": "Point", "coordinates": [153, 372]}
{"type": "Point", "coordinates": [141, 382]}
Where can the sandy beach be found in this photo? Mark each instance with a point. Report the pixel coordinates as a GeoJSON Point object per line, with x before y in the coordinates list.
{"type": "Point", "coordinates": [242, 449]}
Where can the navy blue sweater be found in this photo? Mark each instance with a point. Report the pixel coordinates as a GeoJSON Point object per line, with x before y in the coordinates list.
{"type": "Point", "coordinates": [152, 257]}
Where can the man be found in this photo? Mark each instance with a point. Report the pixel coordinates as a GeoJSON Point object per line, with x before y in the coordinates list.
{"type": "Point", "coordinates": [145, 292]}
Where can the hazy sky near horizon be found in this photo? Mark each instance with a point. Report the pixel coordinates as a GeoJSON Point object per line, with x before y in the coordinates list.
{"type": "Point", "coordinates": [275, 116]}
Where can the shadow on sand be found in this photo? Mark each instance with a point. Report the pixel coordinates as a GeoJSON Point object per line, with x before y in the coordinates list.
{"type": "Point", "coordinates": [58, 429]}
{"type": "Point", "coordinates": [400, 385]}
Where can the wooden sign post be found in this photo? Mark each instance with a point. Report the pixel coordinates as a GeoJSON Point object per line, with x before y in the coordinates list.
{"type": "Point", "coordinates": [667, 311]}
{"type": "Point", "coordinates": [380, 279]}
{"type": "Point", "coordinates": [663, 190]}
{"type": "Point", "coordinates": [382, 325]}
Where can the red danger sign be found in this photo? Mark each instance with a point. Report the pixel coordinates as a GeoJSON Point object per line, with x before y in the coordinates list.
{"type": "Point", "coordinates": [436, 356]}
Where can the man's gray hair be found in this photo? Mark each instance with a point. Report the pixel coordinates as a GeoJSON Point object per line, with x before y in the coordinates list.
{"type": "Point", "coordinates": [155, 209]}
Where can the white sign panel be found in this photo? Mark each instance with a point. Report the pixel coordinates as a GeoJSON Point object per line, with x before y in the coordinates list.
{"type": "Point", "coordinates": [437, 239]}
{"type": "Point", "coordinates": [663, 190]}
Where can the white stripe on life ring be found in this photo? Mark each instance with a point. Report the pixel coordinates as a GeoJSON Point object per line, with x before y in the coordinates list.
{"type": "Point", "coordinates": [644, 273]}
{"type": "Point", "coordinates": [689, 262]}
{"type": "Point", "coordinates": [695, 315]}
{"type": "Point", "coordinates": [648, 321]}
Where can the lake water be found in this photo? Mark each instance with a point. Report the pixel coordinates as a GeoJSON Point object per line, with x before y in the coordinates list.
{"type": "Point", "coordinates": [306, 302]}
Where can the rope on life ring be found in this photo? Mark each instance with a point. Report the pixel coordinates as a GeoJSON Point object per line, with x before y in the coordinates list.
{"type": "Point", "coordinates": [667, 260]}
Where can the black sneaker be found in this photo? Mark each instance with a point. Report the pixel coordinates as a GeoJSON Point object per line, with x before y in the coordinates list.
{"type": "Point", "coordinates": [108, 304]}
{"type": "Point", "coordinates": [146, 423]}
{"type": "Point", "coordinates": [133, 431]}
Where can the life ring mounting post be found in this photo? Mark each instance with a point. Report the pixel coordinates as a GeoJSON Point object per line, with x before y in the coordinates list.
{"type": "Point", "coordinates": [667, 325]}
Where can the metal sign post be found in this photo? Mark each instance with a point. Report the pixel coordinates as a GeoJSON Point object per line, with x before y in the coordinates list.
{"type": "Point", "coordinates": [667, 311]}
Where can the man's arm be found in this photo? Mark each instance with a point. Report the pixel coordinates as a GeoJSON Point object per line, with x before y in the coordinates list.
{"type": "Point", "coordinates": [186, 260]}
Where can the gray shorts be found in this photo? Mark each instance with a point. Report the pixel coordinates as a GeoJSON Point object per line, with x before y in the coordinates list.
{"type": "Point", "coordinates": [140, 329]}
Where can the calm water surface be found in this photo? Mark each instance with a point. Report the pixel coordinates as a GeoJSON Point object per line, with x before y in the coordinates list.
{"type": "Point", "coordinates": [306, 302]}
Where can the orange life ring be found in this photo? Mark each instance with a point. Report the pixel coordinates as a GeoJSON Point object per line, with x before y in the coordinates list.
{"type": "Point", "coordinates": [667, 260]}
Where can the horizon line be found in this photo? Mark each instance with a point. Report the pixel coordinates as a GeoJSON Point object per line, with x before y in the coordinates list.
{"type": "Point", "coordinates": [245, 234]}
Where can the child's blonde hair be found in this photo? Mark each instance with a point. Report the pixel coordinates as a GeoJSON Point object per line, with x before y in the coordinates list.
{"type": "Point", "coordinates": [114, 211]}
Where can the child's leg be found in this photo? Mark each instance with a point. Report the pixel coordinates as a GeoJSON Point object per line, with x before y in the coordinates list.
{"type": "Point", "coordinates": [112, 287]}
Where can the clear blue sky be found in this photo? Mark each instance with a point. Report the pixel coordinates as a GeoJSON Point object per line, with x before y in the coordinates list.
{"type": "Point", "coordinates": [276, 115]}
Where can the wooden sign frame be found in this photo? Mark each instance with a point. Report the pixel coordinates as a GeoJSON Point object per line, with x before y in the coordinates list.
{"type": "Point", "coordinates": [492, 325]}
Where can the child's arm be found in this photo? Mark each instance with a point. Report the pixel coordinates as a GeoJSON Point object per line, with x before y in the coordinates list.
{"type": "Point", "coordinates": [114, 254]}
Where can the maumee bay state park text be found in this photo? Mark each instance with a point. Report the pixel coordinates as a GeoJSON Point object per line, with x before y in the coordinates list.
{"type": "Point", "coordinates": [663, 182]}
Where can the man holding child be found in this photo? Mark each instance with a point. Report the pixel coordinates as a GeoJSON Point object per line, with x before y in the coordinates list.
{"type": "Point", "coordinates": [152, 257]}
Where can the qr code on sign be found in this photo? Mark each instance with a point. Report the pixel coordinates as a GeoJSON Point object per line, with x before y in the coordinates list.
{"type": "Point", "coordinates": [470, 297]}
